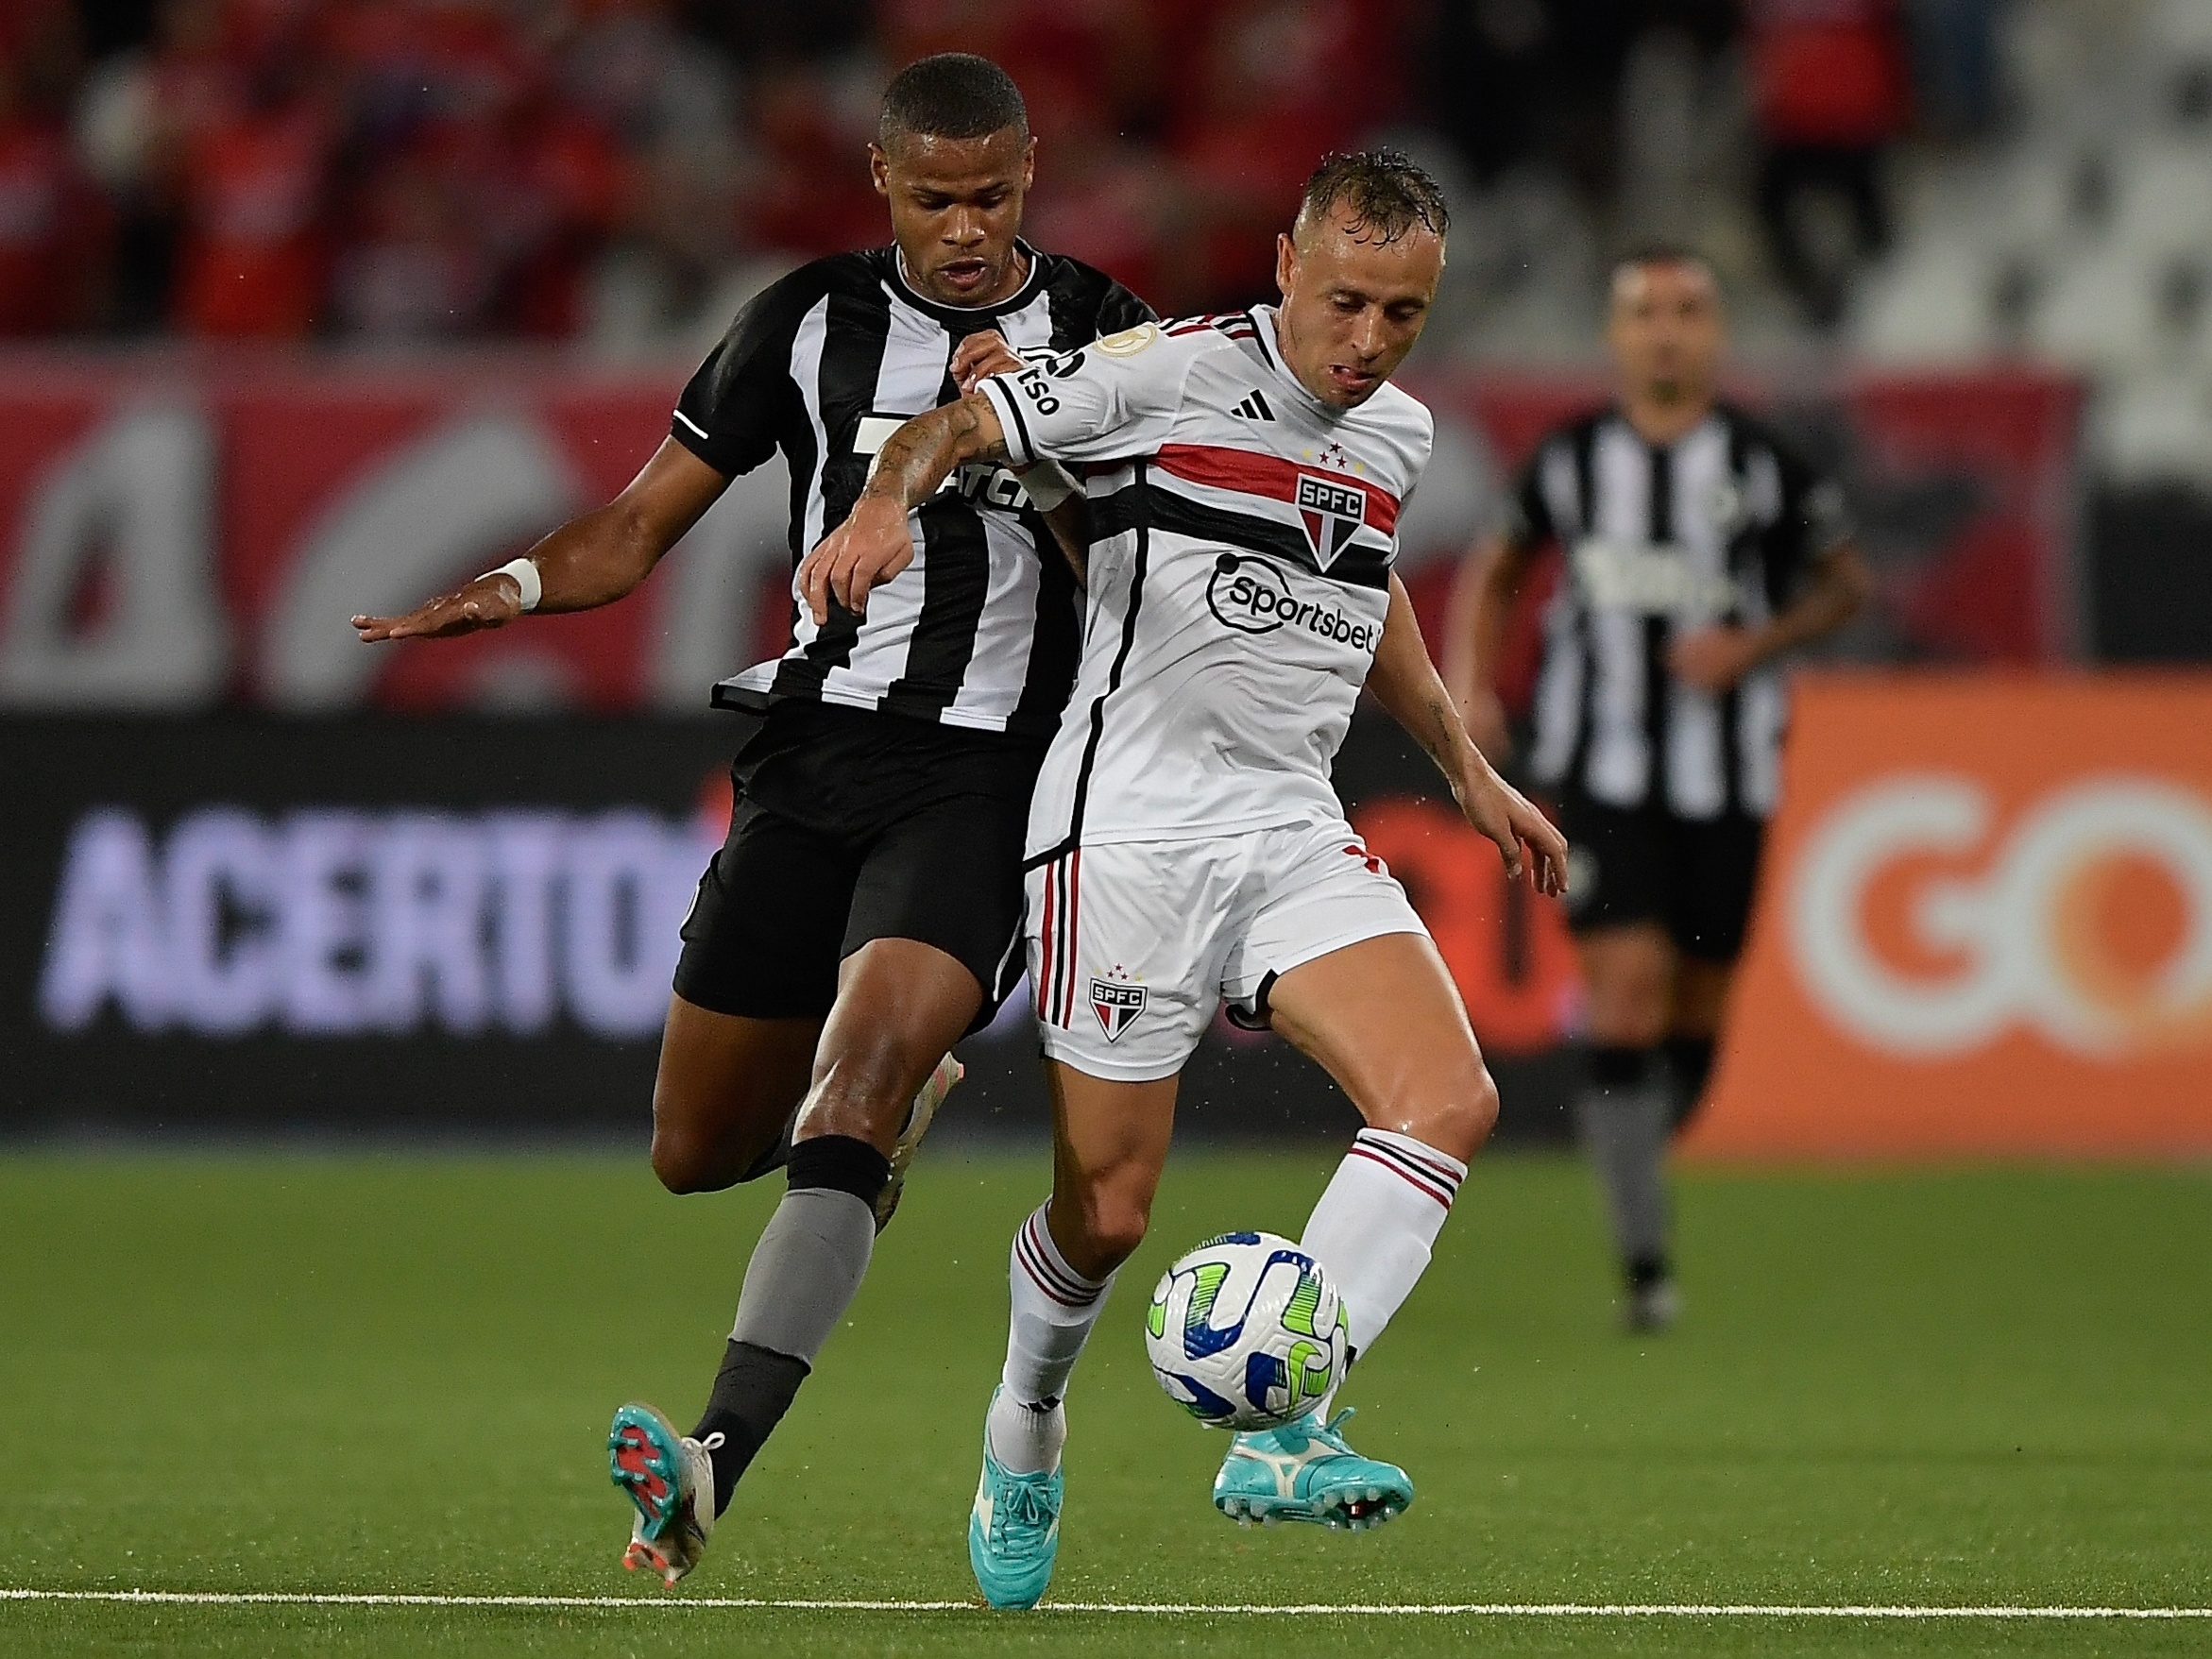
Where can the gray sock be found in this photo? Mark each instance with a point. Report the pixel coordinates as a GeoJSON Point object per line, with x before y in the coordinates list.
{"type": "Point", "coordinates": [1626, 1119]}
{"type": "Point", "coordinates": [805, 1271]}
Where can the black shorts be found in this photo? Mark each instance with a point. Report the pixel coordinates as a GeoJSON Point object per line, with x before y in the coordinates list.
{"type": "Point", "coordinates": [849, 826]}
{"type": "Point", "coordinates": [1644, 864]}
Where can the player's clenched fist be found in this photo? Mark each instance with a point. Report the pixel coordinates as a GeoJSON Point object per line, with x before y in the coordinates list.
{"type": "Point", "coordinates": [980, 356]}
{"type": "Point", "coordinates": [870, 547]}
{"type": "Point", "coordinates": [488, 602]}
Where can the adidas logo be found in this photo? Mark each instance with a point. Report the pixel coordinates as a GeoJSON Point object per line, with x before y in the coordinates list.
{"type": "Point", "coordinates": [1253, 408]}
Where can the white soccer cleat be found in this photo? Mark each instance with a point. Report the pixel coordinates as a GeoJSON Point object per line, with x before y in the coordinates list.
{"type": "Point", "coordinates": [669, 1478]}
{"type": "Point", "coordinates": [948, 1073]}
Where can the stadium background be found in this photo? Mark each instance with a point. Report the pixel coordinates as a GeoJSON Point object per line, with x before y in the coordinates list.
{"type": "Point", "coordinates": [318, 305]}
{"type": "Point", "coordinates": [310, 306]}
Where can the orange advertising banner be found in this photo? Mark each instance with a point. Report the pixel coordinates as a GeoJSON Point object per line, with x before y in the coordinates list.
{"type": "Point", "coordinates": [1985, 925]}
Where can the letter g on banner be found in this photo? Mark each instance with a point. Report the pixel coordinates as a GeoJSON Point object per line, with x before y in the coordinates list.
{"type": "Point", "coordinates": [2091, 923]}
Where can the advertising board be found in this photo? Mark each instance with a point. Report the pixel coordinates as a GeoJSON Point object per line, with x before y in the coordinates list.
{"type": "Point", "coordinates": [1985, 925]}
{"type": "Point", "coordinates": [241, 923]}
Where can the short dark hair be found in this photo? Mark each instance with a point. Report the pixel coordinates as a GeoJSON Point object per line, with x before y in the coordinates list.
{"type": "Point", "coordinates": [952, 94]}
{"type": "Point", "coordinates": [1661, 253]}
{"type": "Point", "coordinates": [1386, 191]}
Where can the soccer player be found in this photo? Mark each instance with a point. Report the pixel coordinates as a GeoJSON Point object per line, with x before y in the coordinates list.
{"type": "Point", "coordinates": [1699, 549]}
{"type": "Point", "coordinates": [865, 910]}
{"type": "Point", "coordinates": [1185, 846]}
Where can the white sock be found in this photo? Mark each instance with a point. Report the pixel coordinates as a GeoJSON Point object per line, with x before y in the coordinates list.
{"type": "Point", "coordinates": [1054, 1308]}
{"type": "Point", "coordinates": [1026, 1440]}
{"type": "Point", "coordinates": [1376, 1222]}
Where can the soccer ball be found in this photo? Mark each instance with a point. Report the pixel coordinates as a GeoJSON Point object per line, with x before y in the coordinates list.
{"type": "Point", "coordinates": [1246, 1333]}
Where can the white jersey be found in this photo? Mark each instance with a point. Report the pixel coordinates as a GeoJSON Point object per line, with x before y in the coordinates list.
{"type": "Point", "coordinates": [1242, 537]}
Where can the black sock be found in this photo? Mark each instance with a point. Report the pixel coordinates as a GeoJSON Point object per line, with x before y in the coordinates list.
{"type": "Point", "coordinates": [751, 1391]}
{"type": "Point", "coordinates": [1691, 1059]}
{"type": "Point", "coordinates": [842, 1164]}
{"type": "Point", "coordinates": [1642, 1272]}
{"type": "Point", "coordinates": [1615, 1066]}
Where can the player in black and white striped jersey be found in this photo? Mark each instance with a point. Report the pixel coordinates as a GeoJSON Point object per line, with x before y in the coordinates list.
{"type": "Point", "coordinates": [866, 909]}
{"type": "Point", "coordinates": [1698, 550]}
{"type": "Point", "coordinates": [979, 632]}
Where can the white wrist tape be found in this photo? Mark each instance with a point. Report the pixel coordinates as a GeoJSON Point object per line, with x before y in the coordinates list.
{"type": "Point", "coordinates": [526, 578]}
{"type": "Point", "coordinates": [1047, 484]}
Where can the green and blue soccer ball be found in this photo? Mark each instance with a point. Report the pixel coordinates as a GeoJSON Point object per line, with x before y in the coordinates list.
{"type": "Point", "coordinates": [1247, 1332]}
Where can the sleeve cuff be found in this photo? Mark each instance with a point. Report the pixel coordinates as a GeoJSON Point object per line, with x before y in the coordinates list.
{"type": "Point", "coordinates": [693, 436]}
{"type": "Point", "coordinates": [1020, 449]}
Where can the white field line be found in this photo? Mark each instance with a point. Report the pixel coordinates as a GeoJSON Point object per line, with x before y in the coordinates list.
{"type": "Point", "coordinates": [1361, 1610]}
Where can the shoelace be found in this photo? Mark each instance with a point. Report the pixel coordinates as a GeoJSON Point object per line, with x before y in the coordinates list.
{"type": "Point", "coordinates": [712, 1443]}
{"type": "Point", "coordinates": [1024, 1506]}
{"type": "Point", "coordinates": [1331, 1433]}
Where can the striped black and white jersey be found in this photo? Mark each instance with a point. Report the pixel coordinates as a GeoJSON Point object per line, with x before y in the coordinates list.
{"type": "Point", "coordinates": [1718, 527]}
{"type": "Point", "coordinates": [1243, 534]}
{"type": "Point", "coordinates": [982, 630]}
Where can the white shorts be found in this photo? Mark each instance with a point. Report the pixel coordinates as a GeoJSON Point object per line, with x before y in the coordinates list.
{"type": "Point", "coordinates": [1133, 944]}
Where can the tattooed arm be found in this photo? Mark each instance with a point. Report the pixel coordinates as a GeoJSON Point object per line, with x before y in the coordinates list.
{"type": "Point", "coordinates": [872, 546]}
{"type": "Point", "coordinates": [977, 359]}
{"type": "Point", "coordinates": [1405, 681]}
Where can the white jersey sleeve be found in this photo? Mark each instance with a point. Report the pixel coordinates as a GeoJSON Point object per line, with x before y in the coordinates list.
{"type": "Point", "coordinates": [1113, 400]}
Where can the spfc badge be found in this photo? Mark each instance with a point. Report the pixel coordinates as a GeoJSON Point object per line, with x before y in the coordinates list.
{"type": "Point", "coordinates": [1331, 511]}
{"type": "Point", "coordinates": [1117, 1003]}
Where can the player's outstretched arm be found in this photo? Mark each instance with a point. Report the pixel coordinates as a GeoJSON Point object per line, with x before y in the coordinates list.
{"type": "Point", "coordinates": [591, 561]}
{"type": "Point", "coordinates": [872, 546]}
{"type": "Point", "coordinates": [1410, 687]}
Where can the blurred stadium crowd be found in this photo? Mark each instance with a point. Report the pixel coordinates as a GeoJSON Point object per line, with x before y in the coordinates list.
{"type": "Point", "coordinates": [402, 169]}
{"type": "Point", "coordinates": [1885, 183]}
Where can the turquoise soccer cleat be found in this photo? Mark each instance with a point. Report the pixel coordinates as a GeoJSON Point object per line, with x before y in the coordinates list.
{"type": "Point", "coordinates": [1014, 1533]}
{"type": "Point", "coordinates": [1304, 1472]}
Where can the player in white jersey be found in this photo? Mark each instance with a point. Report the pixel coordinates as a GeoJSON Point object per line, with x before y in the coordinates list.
{"type": "Point", "coordinates": [1184, 843]}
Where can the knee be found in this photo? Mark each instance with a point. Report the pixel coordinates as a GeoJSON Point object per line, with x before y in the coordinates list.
{"type": "Point", "coordinates": [685, 1163]}
{"type": "Point", "coordinates": [1457, 1119]}
{"type": "Point", "coordinates": [863, 1088]}
{"type": "Point", "coordinates": [1111, 1223]}
{"type": "Point", "coordinates": [1630, 1013]}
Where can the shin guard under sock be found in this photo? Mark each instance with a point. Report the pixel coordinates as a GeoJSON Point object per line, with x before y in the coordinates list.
{"type": "Point", "coordinates": [807, 1267]}
{"type": "Point", "coordinates": [1376, 1223]}
{"type": "Point", "coordinates": [1052, 1309]}
{"type": "Point", "coordinates": [1625, 1115]}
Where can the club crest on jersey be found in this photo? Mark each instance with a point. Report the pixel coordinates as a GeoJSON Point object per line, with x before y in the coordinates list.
{"type": "Point", "coordinates": [1117, 1003]}
{"type": "Point", "coordinates": [1331, 512]}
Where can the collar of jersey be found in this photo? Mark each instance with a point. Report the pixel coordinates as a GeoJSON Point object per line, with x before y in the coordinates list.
{"type": "Point", "coordinates": [959, 316]}
{"type": "Point", "coordinates": [1271, 349]}
{"type": "Point", "coordinates": [1621, 417]}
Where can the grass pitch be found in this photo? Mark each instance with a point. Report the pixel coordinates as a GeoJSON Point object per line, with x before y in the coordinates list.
{"type": "Point", "coordinates": [292, 1373]}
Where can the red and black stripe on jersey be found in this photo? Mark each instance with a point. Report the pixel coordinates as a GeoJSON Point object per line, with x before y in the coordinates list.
{"type": "Point", "coordinates": [1248, 472]}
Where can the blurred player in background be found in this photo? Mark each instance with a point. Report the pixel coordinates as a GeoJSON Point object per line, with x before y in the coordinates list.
{"type": "Point", "coordinates": [1698, 550]}
{"type": "Point", "coordinates": [1185, 846]}
{"type": "Point", "coordinates": [865, 911]}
